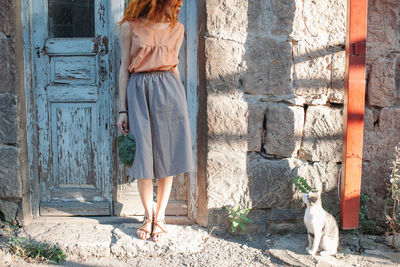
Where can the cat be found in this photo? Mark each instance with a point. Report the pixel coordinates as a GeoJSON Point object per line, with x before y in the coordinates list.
{"type": "Point", "coordinates": [323, 231]}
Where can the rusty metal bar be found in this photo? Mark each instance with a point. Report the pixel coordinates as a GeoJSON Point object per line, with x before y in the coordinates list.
{"type": "Point", "coordinates": [353, 119]}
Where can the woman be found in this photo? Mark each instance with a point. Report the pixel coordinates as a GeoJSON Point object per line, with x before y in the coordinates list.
{"type": "Point", "coordinates": [153, 103]}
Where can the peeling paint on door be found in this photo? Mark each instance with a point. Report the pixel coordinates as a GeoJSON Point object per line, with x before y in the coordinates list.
{"type": "Point", "coordinates": [72, 98]}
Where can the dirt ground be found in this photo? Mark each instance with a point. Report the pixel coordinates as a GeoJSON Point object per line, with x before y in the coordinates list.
{"type": "Point", "coordinates": [193, 246]}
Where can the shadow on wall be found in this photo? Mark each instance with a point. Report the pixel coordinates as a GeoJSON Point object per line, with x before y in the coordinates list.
{"type": "Point", "coordinates": [274, 112]}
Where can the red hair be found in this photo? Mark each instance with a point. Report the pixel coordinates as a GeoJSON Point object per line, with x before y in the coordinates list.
{"type": "Point", "coordinates": [151, 9]}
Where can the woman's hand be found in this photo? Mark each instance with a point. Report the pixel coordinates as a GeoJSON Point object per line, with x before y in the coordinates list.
{"type": "Point", "coordinates": [122, 123]}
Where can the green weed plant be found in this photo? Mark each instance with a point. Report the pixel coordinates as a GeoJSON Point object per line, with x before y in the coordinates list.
{"type": "Point", "coordinates": [301, 185]}
{"type": "Point", "coordinates": [239, 218]}
{"type": "Point", "coordinates": [365, 224]}
{"type": "Point", "coordinates": [34, 251]}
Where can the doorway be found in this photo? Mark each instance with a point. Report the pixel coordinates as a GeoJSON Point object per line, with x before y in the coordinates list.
{"type": "Point", "coordinates": [71, 82]}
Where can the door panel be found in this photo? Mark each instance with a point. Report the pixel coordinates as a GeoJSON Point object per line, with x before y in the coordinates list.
{"type": "Point", "coordinates": [73, 70]}
{"type": "Point", "coordinates": [73, 100]}
{"type": "Point", "coordinates": [73, 157]}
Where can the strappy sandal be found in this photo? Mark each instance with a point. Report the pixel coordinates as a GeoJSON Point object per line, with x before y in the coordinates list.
{"type": "Point", "coordinates": [163, 231]}
{"type": "Point", "coordinates": [143, 227]}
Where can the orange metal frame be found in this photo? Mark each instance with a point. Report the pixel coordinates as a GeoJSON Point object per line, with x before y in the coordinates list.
{"type": "Point", "coordinates": [353, 119]}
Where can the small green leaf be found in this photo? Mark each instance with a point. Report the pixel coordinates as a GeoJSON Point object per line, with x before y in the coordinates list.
{"type": "Point", "coordinates": [232, 212]}
{"type": "Point", "coordinates": [246, 220]}
{"type": "Point", "coordinates": [233, 228]}
{"type": "Point", "coordinates": [242, 226]}
{"type": "Point", "coordinates": [247, 211]}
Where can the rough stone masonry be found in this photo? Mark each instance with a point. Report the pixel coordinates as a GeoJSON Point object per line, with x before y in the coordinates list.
{"type": "Point", "coordinates": [275, 81]}
{"type": "Point", "coordinates": [10, 182]}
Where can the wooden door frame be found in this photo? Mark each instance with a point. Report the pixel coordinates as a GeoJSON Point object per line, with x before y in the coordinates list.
{"type": "Point", "coordinates": [192, 85]}
{"type": "Point", "coordinates": [31, 116]}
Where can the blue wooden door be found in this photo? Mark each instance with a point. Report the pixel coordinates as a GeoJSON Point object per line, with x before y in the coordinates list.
{"type": "Point", "coordinates": [73, 101]}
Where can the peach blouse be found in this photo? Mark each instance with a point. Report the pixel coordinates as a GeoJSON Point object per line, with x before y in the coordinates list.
{"type": "Point", "coordinates": [154, 49]}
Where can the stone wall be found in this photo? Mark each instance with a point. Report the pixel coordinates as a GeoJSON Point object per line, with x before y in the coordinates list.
{"type": "Point", "coordinates": [10, 183]}
{"type": "Point", "coordinates": [275, 82]}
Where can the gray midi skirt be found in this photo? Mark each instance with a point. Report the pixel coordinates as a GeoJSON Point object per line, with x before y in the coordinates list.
{"type": "Point", "coordinates": [158, 119]}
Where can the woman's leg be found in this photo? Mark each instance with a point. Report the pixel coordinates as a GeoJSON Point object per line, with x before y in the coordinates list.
{"type": "Point", "coordinates": [163, 191]}
{"type": "Point", "coordinates": [145, 187]}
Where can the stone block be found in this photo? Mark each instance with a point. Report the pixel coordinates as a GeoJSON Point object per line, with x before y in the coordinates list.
{"type": "Point", "coordinates": [227, 118]}
{"type": "Point", "coordinates": [374, 184]}
{"type": "Point", "coordinates": [268, 63]}
{"type": "Point", "coordinates": [7, 17]}
{"type": "Point", "coordinates": [284, 214]}
{"type": "Point", "coordinates": [11, 211]}
{"type": "Point", "coordinates": [223, 64]}
{"type": "Point", "coordinates": [312, 72]}
{"type": "Point", "coordinates": [336, 90]}
{"type": "Point", "coordinates": [274, 17]}
{"type": "Point", "coordinates": [10, 184]}
{"type": "Point", "coordinates": [7, 65]}
{"type": "Point", "coordinates": [381, 85]}
{"type": "Point", "coordinates": [381, 135]}
{"type": "Point", "coordinates": [383, 22]}
{"type": "Point", "coordinates": [269, 182]}
{"type": "Point", "coordinates": [218, 218]}
{"type": "Point", "coordinates": [320, 22]}
{"type": "Point", "coordinates": [8, 117]}
{"type": "Point", "coordinates": [255, 123]}
{"type": "Point", "coordinates": [259, 18]}
{"type": "Point", "coordinates": [286, 227]}
{"type": "Point", "coordinates": [284, 129]}
{"type": "Point", "coordinates": [382, 29]}
{"type": "Point", "coordinates": [227, 19]}
{"type": "Point", "coordinates": [322, 139]}
{"type": "Point", "coordinates": [259, 218]}
{"type": "Point", "coordinates": [226, 172]}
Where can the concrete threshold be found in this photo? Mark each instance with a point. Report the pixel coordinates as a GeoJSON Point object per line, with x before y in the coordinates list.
{"type": "Point", "coordinates": [106, 236]}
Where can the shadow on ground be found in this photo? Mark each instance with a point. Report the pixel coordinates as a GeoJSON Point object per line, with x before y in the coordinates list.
{"type": "Point", "coordinates": [353, 251]}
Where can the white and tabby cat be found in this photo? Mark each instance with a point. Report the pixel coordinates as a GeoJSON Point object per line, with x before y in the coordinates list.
{"type": "Point", "coordinates": [323, 232]}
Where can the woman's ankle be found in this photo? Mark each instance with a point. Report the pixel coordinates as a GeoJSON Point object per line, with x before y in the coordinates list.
{"type": "Point", "coordinates": [159, 216]}
{"type": "Point", "coordinates": [148, 215]}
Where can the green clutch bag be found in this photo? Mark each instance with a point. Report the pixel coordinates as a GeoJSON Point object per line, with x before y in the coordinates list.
{"type": "Point", "coordinates": [126, 148]}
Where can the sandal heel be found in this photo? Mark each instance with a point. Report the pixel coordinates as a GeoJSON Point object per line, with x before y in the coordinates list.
{"type": "Point", "coordinates": [146, 221]}
{"type": "Point", "coordinates": [163, 230]}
